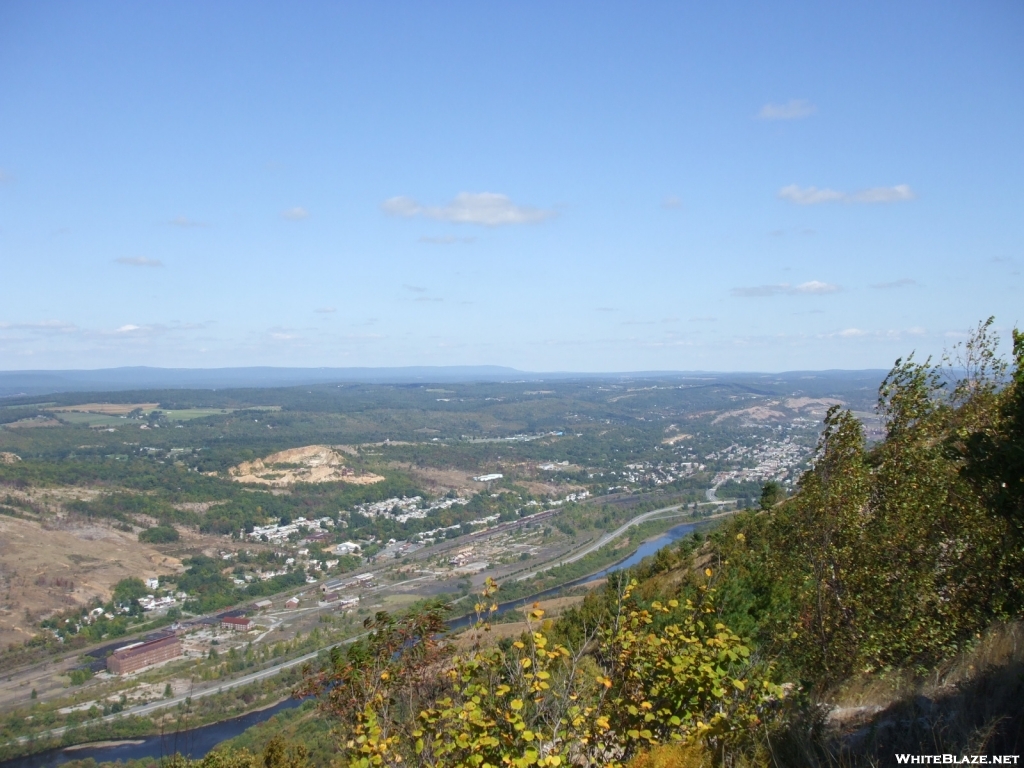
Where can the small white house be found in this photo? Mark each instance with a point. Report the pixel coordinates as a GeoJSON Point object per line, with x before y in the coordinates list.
{"type": "Point", "coordinates": [346, 548]}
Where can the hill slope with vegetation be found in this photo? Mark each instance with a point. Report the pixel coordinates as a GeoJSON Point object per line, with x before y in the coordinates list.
{"type": "Point", "coordinates": [874, 612]}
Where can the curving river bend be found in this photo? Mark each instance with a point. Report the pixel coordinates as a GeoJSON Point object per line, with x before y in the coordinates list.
{"type": "Point", "coordinates": [197, 742]}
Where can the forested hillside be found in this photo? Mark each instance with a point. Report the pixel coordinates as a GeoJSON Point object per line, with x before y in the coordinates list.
{"type": "Point", "coordinates": [872, 613]}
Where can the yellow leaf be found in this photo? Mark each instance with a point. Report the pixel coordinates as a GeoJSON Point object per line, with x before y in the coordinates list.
{"type": "Point", "coordinates": [707, 572]}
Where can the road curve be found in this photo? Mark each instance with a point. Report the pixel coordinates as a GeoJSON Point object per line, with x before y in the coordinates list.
{"type": "Point", "coordinates": [145, 709]}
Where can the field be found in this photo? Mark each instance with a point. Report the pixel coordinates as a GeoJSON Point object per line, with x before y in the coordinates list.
{"type": "Point", "coordinates": [106, 409]}
{"type": "Point", "coordinates": [64, 565]}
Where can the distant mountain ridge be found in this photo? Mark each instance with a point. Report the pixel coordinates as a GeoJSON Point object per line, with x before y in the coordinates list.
{"type": "Point", "coordinates": [33, 383]}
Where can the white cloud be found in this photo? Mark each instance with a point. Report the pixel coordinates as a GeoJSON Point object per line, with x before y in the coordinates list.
{"type": "Point", "coordinates": [903, 282]}
{"type": "Point", "coordinates": [297, 213]}
{"type": "Point", "coordinates": [810, 195]}
{"type": "Point", "coordinates": [671, 203]}
{"type": "Point", "coordinates": [139, 261]}
{"type": "Point", "coordinates": [488, 209]}
{"type": "Point", "coordinates": [897, 194]}
{"type": "Point", "coordinates": [815, 196]}
{"type": "Point", "coordinates": [851, 333]}
{"type": "Point", "coordinates": [815, 286]}
{"type": "Point", "coordinates": [128, 328]}
{"type": "Point", "coordinates": [278, 336]}
{"type": "Point", "coordinates": [414, 288]}
{"type": "Point", "coordinates": [401, 206]}
{"type": "Point", "coordinates": [794, 109]}
{"type": "Point", "coordinates": [811, 287]}
{"type": "Point", "coordinates": [186, 223]}
{"type": "Point", "coordinates": [325, 310]}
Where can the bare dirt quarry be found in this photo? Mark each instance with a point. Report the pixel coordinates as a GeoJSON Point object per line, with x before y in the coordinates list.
{"type": "Point", "coordinates": [309, 464]}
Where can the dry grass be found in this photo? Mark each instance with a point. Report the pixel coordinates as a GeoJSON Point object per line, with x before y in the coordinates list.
{"type": "Point", "coordinates": [106, 409]}
{"type": "Point", "coordinates": [33, 423]}
{"type": "Point", "coordinates": [973, 704]}
{"type": "Point", "coordinates": [44, 569]}
{"type": "Point", "coordinates": [497, 632]}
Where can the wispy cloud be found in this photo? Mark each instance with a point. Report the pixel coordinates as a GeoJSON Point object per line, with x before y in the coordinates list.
{"type": "Point", "coordinates": [445, 239]}
{"type": "Point", "coordinates": [815, 196]}
{"type": "Point", "coordinates": [45, 326]}
{"type": "Point", "coordinates": [671, 203]}
{"type": "Point", "coordinates": [794, 109]}
{"type": "Point", "coordinates": [810, 195]}
{"type": "Point", "coordinates": [903, 282]}
{"type": "Point", "coordinates": [810, 288]}
{"type": "Point", "coordinates": [488, 209]}
{"type": "Point", "coordinates": [325, 310]}
{"type": "Point", "coordinates": [5, 177]}
{"type": "Point", "coordinates": [432, 299]}
{"type": "Point", "coordinates": [128, 328]}
{"type": "Point", "coordinates": [186, 223]}
{"type": "Point", "coordinates": [851, 333]}
{"type": "Point", "coordinates": [707, 319]}
{"type": "Point", "coordinates": [139, 261]}
{"type": "Point", "coordinates": [897, 194]}
{"type": "Point", "coordinates": [297, 213]}
{"type": "Point", "coordinates": [414, 288]}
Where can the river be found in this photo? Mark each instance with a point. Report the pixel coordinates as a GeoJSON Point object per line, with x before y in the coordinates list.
{"type": "Point", "coordinates": [197, 742]}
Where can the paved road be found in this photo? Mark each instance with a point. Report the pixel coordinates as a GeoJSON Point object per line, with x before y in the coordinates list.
{"type": "Point", "coordinates": [146, 709]}
{"type": "Point", "coordinates": [153, 706]}
{"type": "Point", "coordinates": [614, 535]}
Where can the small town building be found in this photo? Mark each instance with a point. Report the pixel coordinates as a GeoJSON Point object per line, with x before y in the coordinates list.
{"type": "Point", "coordinates": [236, 623]}
{"type": "Point", "coordinates": [133, 657]}
{"type": "Point", "coordinates": [346, 548]}
{"type": "Point", "coordinates": [292, 602]}
{"type": "Point", "coordinates": [262, 605]}
{"type": "Point", "coordinates": [331, 586]}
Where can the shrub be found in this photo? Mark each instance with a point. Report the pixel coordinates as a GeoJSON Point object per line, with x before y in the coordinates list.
{"type": "Point", "coordinates": [160, 534]}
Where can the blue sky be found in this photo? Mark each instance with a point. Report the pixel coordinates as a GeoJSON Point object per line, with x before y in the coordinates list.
{"type": "Point", "coordinates": [551, 186]}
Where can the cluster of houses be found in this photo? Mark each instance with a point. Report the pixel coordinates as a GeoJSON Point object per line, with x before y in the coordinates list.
{"type": "Point", "coordinates": [312, 530]}
{"type": "Point", "coordinates": [407, 508]}
{"type": "Point", "coordinates": [151, 603]}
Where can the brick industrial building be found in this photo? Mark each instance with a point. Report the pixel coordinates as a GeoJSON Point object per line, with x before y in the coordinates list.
{"type": "Point", "coordinates": [139, 655]}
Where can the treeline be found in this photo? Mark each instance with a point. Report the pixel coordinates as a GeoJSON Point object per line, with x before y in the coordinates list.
{"type": "Point", "coordinates": [889, 558]}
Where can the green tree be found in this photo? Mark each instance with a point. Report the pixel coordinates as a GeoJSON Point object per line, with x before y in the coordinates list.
{"type": "Point", "coordinates": [127, 590]}
{"type": "Point", "coordinates": [772, 493]}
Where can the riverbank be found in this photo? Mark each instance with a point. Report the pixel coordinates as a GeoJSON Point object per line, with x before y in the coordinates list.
{"type": "Point", "coordinates": [190, 734]}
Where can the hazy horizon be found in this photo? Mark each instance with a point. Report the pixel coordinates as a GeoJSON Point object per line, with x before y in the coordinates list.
{"type": "Point", "coordinates": [550, 188]}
